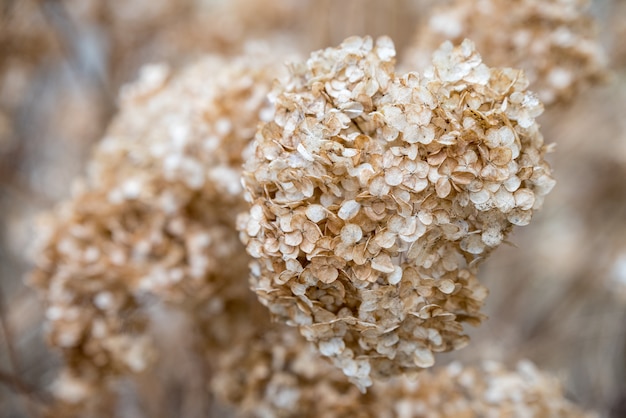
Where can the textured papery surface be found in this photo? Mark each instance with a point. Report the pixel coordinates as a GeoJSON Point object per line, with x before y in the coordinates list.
{"type": "Point", "coordinates": [266, 369]}
{"type": "Point", "coordinates": [276, 374]}
{"type": "Point", "coordinates": [154, 219]}
{"type": "Point", "coordinates": [553, 41]}
{"type": "Point", "coordinates": [373, 196]}
{"type": "Point", "coordinates": [490, 390]}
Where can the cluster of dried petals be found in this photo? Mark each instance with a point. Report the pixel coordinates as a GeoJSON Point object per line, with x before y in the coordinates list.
{"type": "Point", "coordinates": [90, 314]}
{"type": "Point", "coordinates": [275, 373]}
{"type": "Point", "coordinates": [373, 196]}
{"type": "Point", "coordinates": [265, 369]}
{"type": "Point", "coordinates": [618, 30]}
{"type": "Point", "coordinates": [278, 374]}
{"type": "Point", "coordinates": [553, 41]}
{"type": "Point", "coordinates": [155, 216]}
{"type": "Point", "coordinates": [490, 390]}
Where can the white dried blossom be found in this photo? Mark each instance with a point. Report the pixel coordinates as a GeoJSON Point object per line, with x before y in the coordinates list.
{"type": "Point", "coordinates": [553, 41]}
{"type": "Point", "coordinates": [272, 372]}
{"type": "Point", "coordinates": [368, 225]}
{"type": "Point", "coordinates": [490, 390]}
{"type": "Point", "coordinates": [275, 373]}
{"type": "Point", "coordinates": [156, 214]}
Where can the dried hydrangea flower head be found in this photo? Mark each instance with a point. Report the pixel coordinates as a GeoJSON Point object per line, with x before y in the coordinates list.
{"type": "Point", "coordinates": [266, 369]}
{"type": "Point", "coordinates": [373, 196]}
{"type": "Point", "coordinates": [274, 373]}
{"type": "Point", "coordinates": [552, 41]}
{"type": "Point", "coordinates": [490, 390]}
{"type": "Point", "coordinates": [156, 213]}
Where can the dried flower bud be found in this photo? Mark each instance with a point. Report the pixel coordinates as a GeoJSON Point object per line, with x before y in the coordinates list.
{"type": "Point", "coordinates": [553, 41]}
{"type": "Point", "coordinates": [396, 202]}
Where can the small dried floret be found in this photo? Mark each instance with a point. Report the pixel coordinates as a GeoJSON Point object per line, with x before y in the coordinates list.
{"type": "Point", "coordinates": [393, 205]}
{"type": "Point", "coordinates": [553, 41]}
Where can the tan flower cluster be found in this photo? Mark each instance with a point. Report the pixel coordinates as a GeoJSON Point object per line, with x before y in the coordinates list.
{"type": "Point", "coordinates": [155, 215]}
{"type": "Point", "coordinates": [267, 369]}
{"type": "Point", "coordinates": [373, 196]}
{"type": "Point", "coordinates": [490, 390]}
{"type": "Point", "coordinates": [276, 374]}
{"type": "Point", "coordinates": [553, 41]}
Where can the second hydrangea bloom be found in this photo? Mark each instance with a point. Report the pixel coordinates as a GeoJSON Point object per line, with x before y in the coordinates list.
{"type": "Point", "coordinates": [374, 195]}
{"type": "Point", "coordinates": [155, 218]}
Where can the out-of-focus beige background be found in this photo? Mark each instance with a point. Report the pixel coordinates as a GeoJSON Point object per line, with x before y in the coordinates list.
{"type": "Point", "coordinates": [557, 292]}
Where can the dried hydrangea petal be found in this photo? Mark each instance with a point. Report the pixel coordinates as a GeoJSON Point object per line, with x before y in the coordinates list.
{"type": "Point", "coordinates": [348, 209]}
